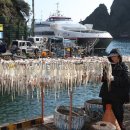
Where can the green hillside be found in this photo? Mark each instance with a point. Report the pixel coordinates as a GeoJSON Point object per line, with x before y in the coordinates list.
{"type": "Point", "coordinates": [14, 15]}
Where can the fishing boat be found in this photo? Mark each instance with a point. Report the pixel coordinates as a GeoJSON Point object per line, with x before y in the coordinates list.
{"type": "Point", "coordinates": [84, 35]}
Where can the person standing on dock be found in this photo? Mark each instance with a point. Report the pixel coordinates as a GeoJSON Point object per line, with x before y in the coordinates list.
{"type": "Point", "coordinates": [118, 93]}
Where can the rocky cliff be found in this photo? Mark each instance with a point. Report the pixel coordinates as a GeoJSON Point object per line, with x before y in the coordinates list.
{"type": "Point", "coordinates": [117, 22]}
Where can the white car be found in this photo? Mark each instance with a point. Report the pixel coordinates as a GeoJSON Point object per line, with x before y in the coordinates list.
{"type": "Point", "coordinates": [24, 46]}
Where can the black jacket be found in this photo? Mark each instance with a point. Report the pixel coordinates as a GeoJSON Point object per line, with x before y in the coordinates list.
{"type": "Point", "coordinates": [119, 89]}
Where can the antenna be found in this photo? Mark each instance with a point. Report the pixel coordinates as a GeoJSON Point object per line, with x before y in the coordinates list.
{"type": "Point", "coordinates": [41, 15]}
{"type": "Point", "coordinates": [57, 11]}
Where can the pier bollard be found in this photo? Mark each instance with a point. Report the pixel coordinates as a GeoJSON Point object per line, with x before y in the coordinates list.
{"type": "Point", "coordinates": [102, 125]}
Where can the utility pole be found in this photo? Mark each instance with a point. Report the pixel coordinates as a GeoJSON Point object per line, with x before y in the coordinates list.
{"type": "Point", "coordinates": [33, 18]}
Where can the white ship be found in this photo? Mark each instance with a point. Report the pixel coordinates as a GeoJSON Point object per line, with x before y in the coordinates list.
{"type": "Point", "coordinates": [85, 35]}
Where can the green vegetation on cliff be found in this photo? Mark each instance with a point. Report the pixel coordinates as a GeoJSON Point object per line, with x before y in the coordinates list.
{"type": "Point", "coordinates": [14, 15]}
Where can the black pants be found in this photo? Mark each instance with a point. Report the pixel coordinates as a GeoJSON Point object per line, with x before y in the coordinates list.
{"type": "Point", "coordinates": [117, 108]}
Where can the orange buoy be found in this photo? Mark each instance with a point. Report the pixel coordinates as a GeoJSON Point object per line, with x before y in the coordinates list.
{"type": "Point", "coordinates": [110, 117]}
{"type": "Point", "coordinates": [44, 54]}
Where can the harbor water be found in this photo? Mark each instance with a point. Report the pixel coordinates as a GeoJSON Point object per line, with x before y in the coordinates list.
{"type": "Point", "coordinates": [122, 44]}
{"type": "Point", "coordinates": [29, 106]}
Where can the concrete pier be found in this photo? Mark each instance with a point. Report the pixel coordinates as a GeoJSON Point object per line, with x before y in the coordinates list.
{"type": "Point", "coordinates": [50, 125]}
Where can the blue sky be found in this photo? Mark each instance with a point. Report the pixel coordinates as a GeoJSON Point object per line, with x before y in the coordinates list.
{"type": "Point", "coordinates": [76, 9]}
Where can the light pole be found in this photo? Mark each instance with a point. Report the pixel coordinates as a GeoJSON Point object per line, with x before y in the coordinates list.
{"type": "Point", "coordinates": [25, 29]}
{"type": "Point", "coordinates": [33, 18]}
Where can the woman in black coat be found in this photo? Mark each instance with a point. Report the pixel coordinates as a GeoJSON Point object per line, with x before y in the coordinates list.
{"type": "Point", "coordinates": [118, 93]}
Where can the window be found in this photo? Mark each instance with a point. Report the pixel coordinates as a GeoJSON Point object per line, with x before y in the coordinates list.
{"type": "Point", "coordinates": [23, 43]}
{"type": "Point", "coordinates": [37, 39]}
{"type": "Point", "coordinates": [28, 44]}
{"type": "Point", "coordinates": [31, 39]}
{"type": "Point", "coordinates": [1, 35]}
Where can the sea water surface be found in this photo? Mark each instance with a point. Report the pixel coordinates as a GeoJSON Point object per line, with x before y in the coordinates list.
{"type": "Point", "coordinates": [27, 107]}
{"type": "Point", "coordinates": [122, 44]}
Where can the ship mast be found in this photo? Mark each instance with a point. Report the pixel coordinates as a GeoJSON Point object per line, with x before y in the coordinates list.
{"type": "Point", "coordinates": [57, 11]}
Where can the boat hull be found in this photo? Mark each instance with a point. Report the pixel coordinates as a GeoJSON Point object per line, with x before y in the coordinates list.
{"type": "Point", "coordinates": [103, 43]}
{"type": "Point", "coordinates": [102, 38]}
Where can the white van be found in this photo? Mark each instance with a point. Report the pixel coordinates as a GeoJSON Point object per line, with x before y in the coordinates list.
{"type": "Point", "coordinates": [24, 46]}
